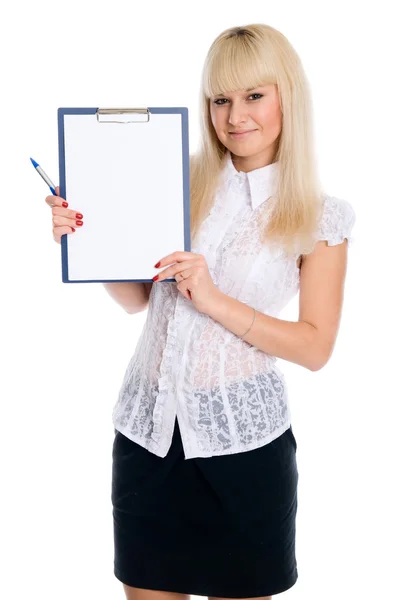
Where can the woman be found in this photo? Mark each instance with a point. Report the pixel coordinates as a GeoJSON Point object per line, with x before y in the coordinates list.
{"type": "Point", "coordinates": [204, 481]}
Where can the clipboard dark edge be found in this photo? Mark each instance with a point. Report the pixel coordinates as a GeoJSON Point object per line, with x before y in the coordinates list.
{"type": "Point", "coordinates": [183, 111]}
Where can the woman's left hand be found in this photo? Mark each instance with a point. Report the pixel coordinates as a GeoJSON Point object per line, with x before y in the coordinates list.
{"type": "Point", "coordinates": [193, 278]}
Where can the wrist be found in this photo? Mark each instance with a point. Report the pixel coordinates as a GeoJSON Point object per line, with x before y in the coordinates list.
{"type": "Point", "coordinates": [217, 305]}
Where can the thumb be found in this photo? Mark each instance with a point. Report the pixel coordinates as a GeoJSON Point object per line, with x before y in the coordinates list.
{"type": "Point", "coordinates": [57, 188]}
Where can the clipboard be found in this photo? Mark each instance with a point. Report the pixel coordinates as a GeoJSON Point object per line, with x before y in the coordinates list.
{"type": "Point", "coordinates": [127, 171]}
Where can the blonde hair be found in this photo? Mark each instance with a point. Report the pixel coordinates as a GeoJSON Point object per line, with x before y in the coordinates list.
{"type": "Point", "coordinates": [245, 58]}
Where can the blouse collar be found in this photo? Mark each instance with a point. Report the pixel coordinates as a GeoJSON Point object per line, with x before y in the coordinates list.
{"type": "Point", "coordinates": [262, 182]}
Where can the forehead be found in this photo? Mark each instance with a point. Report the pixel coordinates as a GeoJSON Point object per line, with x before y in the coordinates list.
{"type": "Point", "coordinates": [235, 69]}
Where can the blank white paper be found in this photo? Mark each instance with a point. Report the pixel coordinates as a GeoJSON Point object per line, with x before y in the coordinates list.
{"type": "Point", "coordinates": [127, 181]}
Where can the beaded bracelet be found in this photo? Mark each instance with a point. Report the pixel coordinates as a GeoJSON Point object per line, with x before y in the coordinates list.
{"type": "Point", "coordinates": [254, 317]}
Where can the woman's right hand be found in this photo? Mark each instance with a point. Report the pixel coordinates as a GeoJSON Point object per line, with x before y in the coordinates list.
{"type": "Point", "coordinates": [64, 219]}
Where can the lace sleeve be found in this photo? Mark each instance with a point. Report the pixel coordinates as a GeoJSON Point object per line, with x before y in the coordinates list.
{"type": "Point", "coordinates": [337, 221]}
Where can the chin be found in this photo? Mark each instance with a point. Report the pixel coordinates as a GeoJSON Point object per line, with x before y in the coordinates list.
{"type": "Point", "coordinates": [239, 150]}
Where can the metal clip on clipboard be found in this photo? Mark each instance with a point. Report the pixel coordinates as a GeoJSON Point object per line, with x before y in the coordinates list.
{"type": "Point", "coordinates": [145, 112]}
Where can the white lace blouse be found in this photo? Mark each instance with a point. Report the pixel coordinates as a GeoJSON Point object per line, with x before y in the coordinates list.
{"type": "Point", "coordinates": [227, 395]}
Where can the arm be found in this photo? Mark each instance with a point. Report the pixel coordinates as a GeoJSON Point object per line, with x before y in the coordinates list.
{"type": "Point", "coordinates": [133, 297]}
{"type": "Point", "coordinates": [308, 342]}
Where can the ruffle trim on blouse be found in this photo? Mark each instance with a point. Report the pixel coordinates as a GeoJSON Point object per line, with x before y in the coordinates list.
{"type": "Point", "coordinates": [337, 221]}
{"type": "Point", "coordinates": [182, 317]}
{"type": "Point", "coordinates": [166, 397]}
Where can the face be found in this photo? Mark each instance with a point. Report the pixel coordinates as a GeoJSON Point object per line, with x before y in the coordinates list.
{"type": "Point", "coordinates": [256, 116]}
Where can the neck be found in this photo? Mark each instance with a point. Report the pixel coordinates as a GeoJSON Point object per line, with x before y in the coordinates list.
{"type": "Point", "coordinates": [256, 161]}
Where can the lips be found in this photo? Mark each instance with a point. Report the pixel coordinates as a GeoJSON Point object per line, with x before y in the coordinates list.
{"type": "Point", "coordinates": [240, 131]}
{"type": "Point", "coordinates": [241, 135]}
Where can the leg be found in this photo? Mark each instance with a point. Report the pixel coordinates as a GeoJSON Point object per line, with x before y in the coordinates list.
{"type": "Point", "coordinates": [133, 593]}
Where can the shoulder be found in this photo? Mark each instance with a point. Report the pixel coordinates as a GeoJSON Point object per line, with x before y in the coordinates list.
{"type": "Point", "coordinates": [337, 220]}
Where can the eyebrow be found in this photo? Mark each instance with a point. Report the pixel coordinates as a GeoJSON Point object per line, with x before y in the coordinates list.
{"type": "Point", "coordinates": [250, 90]}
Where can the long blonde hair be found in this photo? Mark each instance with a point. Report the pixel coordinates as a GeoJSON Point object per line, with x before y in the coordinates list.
{"type": "Point", "coordinates": [245, 58]}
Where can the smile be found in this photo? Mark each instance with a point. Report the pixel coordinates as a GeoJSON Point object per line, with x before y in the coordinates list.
{"type": "Point", "coordinates": [242, 134]}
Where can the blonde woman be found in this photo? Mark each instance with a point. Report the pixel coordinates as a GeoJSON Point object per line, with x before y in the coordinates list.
{"type": "Point", "coordinates": [204, 480]}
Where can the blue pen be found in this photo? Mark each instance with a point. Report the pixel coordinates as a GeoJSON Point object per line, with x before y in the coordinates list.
{"type": "Point", "coordinates": [44, 176]}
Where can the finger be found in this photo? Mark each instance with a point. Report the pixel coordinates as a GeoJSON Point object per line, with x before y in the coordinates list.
{"type": "Point", "coordinates": [177, 268]}
{"type": "Point", "coordinates": [64, 216]}
{"type": "Point", "coordinates": [59, 231]}
{"type": "Point", "coordinates": [54, 200]}
{"type": "Point", "coordinates": [177, 256]}
{"type": "Point", "coordinates": [182, 288]}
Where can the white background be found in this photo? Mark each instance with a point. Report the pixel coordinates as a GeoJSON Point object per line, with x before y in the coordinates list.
{"type": "Point", "coordinates": [65, 347]}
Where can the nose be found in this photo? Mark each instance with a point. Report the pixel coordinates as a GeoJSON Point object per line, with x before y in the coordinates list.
{"type": "Point", "coordinates": [237, 115]}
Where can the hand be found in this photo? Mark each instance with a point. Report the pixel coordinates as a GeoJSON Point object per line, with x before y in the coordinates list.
{"type": "Point", "coordinates": [192, 275]}
{"type": "Point", "coordinates": [64, 220]}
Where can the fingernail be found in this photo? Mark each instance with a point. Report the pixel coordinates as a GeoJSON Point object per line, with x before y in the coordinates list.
{"type": "Point", "coordinates": [72, 228]}
{"type": "Point", "coordinates": [155, 278]}
{"type": "Point", "coordinates": [157, 265]}
{"type": "Point", "coordinates": [79, 222]}
{"type": "Point", "coordinates": [79, 216]}
{"type": "Point", "coordinates": [65, 204]}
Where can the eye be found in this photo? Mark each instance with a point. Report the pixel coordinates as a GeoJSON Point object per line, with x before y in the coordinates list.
{"type": "Point", "coordinates": [221, 101]}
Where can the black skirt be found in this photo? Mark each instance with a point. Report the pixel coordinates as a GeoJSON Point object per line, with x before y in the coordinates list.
{"type": "Point", "coordinates": [219, 526]}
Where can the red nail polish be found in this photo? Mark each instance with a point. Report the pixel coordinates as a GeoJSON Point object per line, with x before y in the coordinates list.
{"type": "Point", "coordinates": [72, 228]}
{"type": "Point", "coordinates": [155, 278]}
{"type": "Point", "coordinates": [157, 265]}
{"type": "Point", "coordinates": [79, 216]}
{"type": "Point", "coordinates": [79, 222]}
{"type": "Point", "coordinates": [65, 204]}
